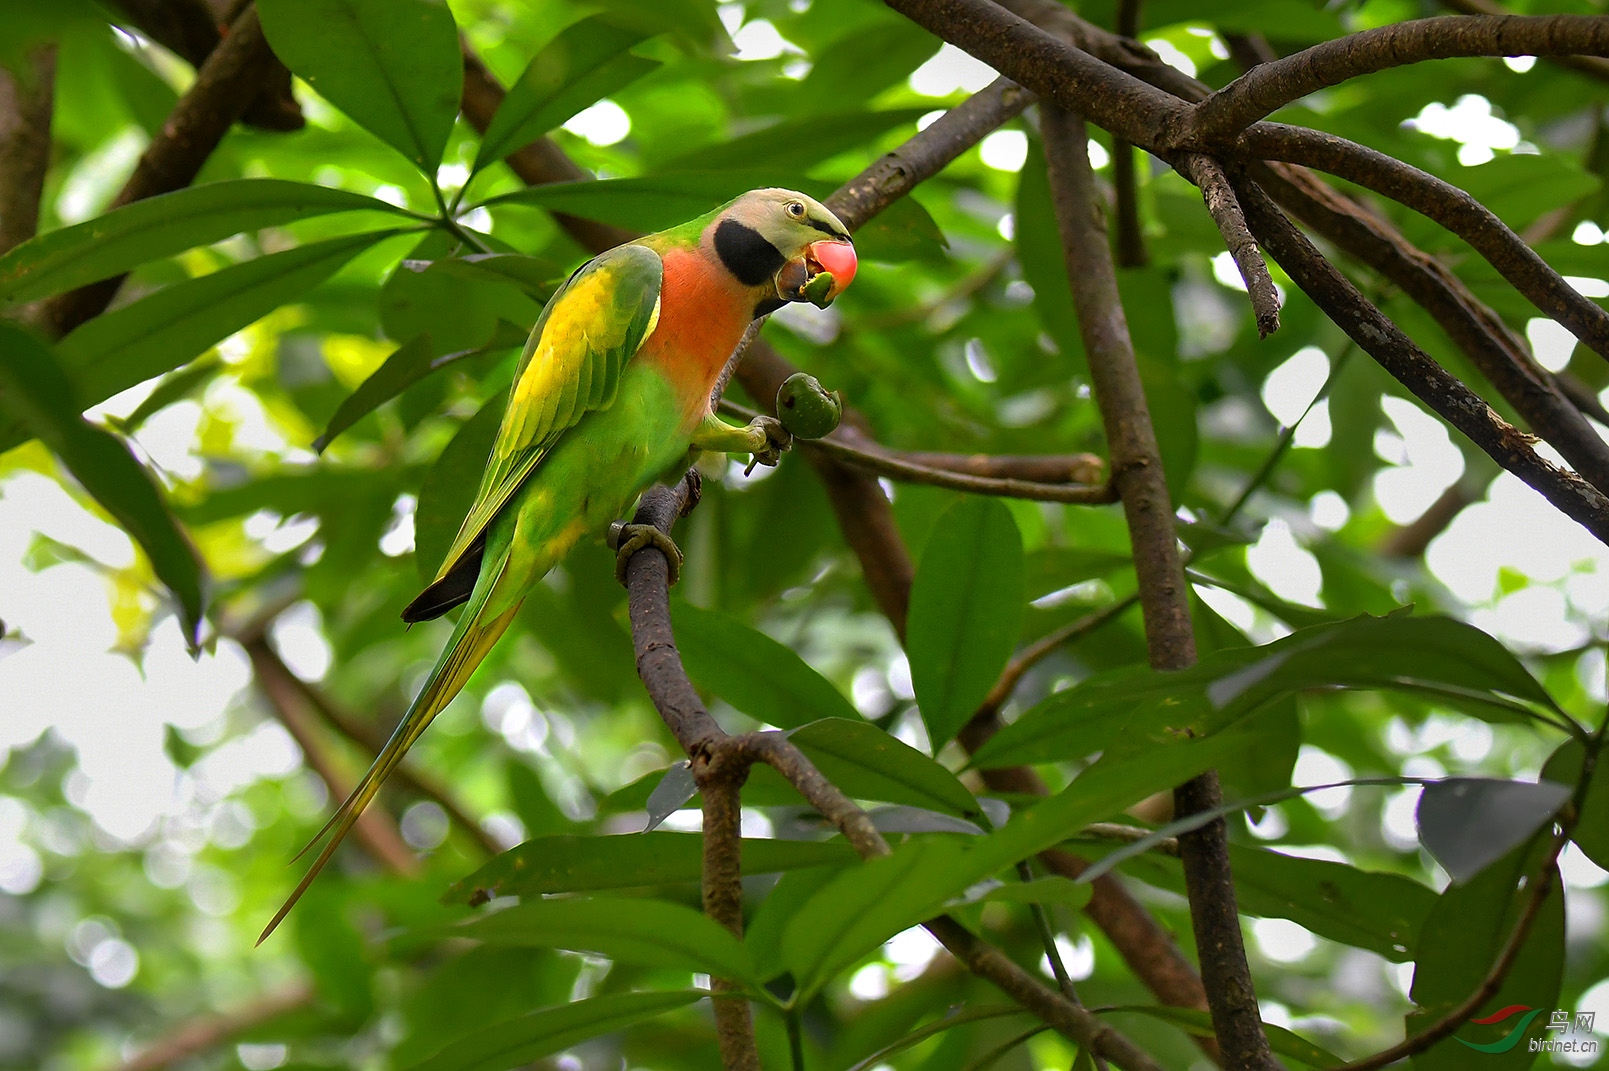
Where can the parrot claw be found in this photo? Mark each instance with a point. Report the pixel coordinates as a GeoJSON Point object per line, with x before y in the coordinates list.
{"type": "Point", "coordinates": [776, 439]}
{"type": "Point", "coordinates": [628, 539]}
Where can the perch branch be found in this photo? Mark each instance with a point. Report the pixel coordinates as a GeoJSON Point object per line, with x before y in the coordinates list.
{"type": "Point", "coordinates": [1164, 601]}
{"type": "Point", "coordinates": [1383, 340]}
{"type": "Point", "coordinates": [1591, 66]}
{"type": "Point", "coordinates": [723, 902]}
{"type": "Point", "coordinates": [1219, 196]}
{"type": "Point", "coordinates": [1270, 86]}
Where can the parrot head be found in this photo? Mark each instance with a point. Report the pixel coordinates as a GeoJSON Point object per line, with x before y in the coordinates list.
{"type": "Point", "coordinates": [786, 243]}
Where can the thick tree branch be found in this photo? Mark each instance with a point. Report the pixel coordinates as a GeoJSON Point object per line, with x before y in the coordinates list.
{"type": "Point", "coordinates": [1433, 385]}
{"type": "Point", "coordinates": [723, 902]}
{"type": "Point", "coordinates": [1164, 601]}
{"type": "Point", "coordinates": [1209, 175]}
{"type": "Point", "coordinates": [205, 1034]}
{"type": "Point", "coordinates": [26, 100]}
{"type": "Point", "coordinates": [1502, 357]}
{"type": "Point", "coordinates": [1591, 66]}
{"type": "Point", "coordinates": [1270, 86]}
{"type": "Point", "coordinates": [1449, 206]}
{"type": "Point", "coordinates": [230, 79]}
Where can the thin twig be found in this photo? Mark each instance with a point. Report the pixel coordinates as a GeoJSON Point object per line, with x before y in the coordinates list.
{"type": "Point", "coordinates": [208, 1032]}
{"type": "Point", "coordinates": [887, 463]}
{"type": "Point", "coordinates": [1159, 569]}
{"type": "Point", "coordinates": [1270, 86]}
{"type": "Point", "coordinates": [1219, 196]}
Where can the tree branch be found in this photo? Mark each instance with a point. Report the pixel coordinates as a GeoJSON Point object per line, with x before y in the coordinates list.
{"type": "Point", "coordinates": [1270, 86]}
{"type": "Point", "coordinates": [232, 76]}
{"type": "Point", "coordinates": [1591, 66]}
{"type": "Point", "coordinates": [1433, 385]}
{"type": "Point", "coordinates": [723, 902]}
{"type": "Point", "coordinates": [1449, 206]}
{"type": "Point", "coordinates": [1137, 471]}
{"type": "Point", "coordinates": [207, 1033]}
{"type": "Point", "coordinates": [26, 100]}
{"type": "Point", "coordinates": [375, 829]}
{"type": "Point", "coordinates": [1219, 196]}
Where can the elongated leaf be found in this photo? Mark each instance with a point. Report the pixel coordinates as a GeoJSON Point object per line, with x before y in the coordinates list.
{"type": "Point", "coordinates": [587, 61]}
{"type": "Point", "coordinates": [1457, 947]}
{"type": "Point", "coordinates": [1199, 1023]}
{"type": "Point", "coordinates": [1051, 889]}
{"type": "Point", "coordinates": [1380, 912]}
{"type": "Point", "coordinates": [461, 303]}
{"type": "Point", "coordinates": [518, 1042]}
{"type": "Point", "coordinates": [1438, 656]}
{"type": "Point", "coordinates": [126, 346]}
{"type": "Point", "coordinates": [753, 672]}
{"type": "Point", "coordinates": [407, 365]}
{"type": "Point", "coordinates": [394, 66]}
{"type": "Point", "coordinates": [1468, 823]}
{"type": "Point", "coordinates": [652, 932]}
{"type": "Point", "coordinates": [797, 144]}
{"type": "Point", "coordinates": [569, 863]}
{"type": "Point", "coordinates": [952, 1020]}
{"type": "Point", "coordinates": [868, 763]}
{"type": "Point", "coordinates": [966, 612]}
{"type": "Point", "coordinates": [160, 226]}
{"type": "Point", "coordinates": [37, 390]}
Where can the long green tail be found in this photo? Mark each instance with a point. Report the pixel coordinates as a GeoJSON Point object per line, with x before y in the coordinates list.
{"type": "Point", "coordinates": [470, 642]}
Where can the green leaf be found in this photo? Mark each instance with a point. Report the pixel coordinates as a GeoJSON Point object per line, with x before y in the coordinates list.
{"type": "Point", "coordinates": [1199, 1023]}
{"type": "Point", "coordinates": [1438, 656]}
{"type": "Point", "coordinates": [868, 763]}
{"type": "Point", "coordinates": [1380, 912]}
{"type": "Point", "coordinates": [797, 144]}
{"type": "Point", "coordinates": [1592, 829]}
{"type": "Point", "coordinates": [753, 672]}
{"type": "Point", "coordinates": [966, 612]}
{"type": "Point", "coordinates": [459, 301]}
{"type": "Point", "coordinates": [37, 390]}
{"type": "Point", "coordinates": [156, 334]}
{"type": "Point", "coordinates": [652, 932]}
{"type": "Point", "coordinates": [521, 1041]}
{"type": "Point", "coordinates": [953, 1018]}
{"type": "Point", "coordinates": [589, 60]}
{"type": "Point", "coordinates": [1458, 944]}
{"type": "Point", "coordinates": [572, 863]}
{"type": "Point", "coordinates": [407, 365]}
{"type": "Point", "coordinates": [160, 226]}
{"type": "Point", "coordinates": [1039, 251]}
{"type": "Point", "coordinates": [394, 66]}
{"type": "Point", "coordinates": [1468, 823]}
{"type": "Point", "coordinates": [449, 487]}
{"type": "Point", "coordinates": [1051, 889]}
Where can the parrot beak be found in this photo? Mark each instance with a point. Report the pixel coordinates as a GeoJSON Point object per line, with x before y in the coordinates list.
{"type": "Point", "coordinates": [838, 258]}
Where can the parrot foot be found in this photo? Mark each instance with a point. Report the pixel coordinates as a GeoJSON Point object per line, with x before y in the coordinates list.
{"type": "Point", "coordinates": [628, 539]}
{"type": "Point", "coordinates": [774, 439]}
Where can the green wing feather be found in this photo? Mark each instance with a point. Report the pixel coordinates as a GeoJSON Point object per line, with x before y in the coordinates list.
{"type": "Point", "coordinates": [571, 366]}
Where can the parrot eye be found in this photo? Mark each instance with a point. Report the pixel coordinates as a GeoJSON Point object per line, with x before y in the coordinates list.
{"type": "Point", "coordinates": [795, 209]}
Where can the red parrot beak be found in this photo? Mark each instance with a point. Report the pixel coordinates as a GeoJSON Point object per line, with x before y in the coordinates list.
{"type": "Point", "coordinates": [838, 258]}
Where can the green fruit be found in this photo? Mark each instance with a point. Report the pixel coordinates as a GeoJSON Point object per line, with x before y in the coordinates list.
{"type": "Point", "coordinates": [816, 291]}
{"type": "Point", "coordinates": [807, 409]}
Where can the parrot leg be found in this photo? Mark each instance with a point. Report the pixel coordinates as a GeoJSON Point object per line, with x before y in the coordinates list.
{"type": "Point", "coordinates": [628, 539]}
{"type": "Point", "coordinates": [764, 437]}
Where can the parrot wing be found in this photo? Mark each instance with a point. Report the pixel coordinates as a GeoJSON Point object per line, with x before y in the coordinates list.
{"type": "Point", "coordinates": [571, 366]}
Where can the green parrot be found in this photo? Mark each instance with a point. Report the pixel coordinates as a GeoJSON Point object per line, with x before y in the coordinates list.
{"type": "Point", "coordinates": [611, 393]}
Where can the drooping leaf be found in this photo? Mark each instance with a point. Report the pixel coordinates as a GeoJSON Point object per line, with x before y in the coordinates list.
{"type": "Point", "coordinates": [868, 763]}
{"type": "Point", "coordinates": [674, 791]}
{"type": "Point", "coordinates": [1283, 1042]}
{"type": "Point", "coordinates": [1468, 823]}
{"type": "Point", "coordinates": [462, 303]}
{"type": "Point", "coordinates": [797, 144]}
{"type": "Point", "coordinates": [753, 672]}
{"type": "Point", "coordinates": [160, 226]}
{"type": "Point", "coordinates": [573, 863]}
{"type": "Point", "coordinates": [1050, 889]}
{"type": "Point", "coordinates": [37, 391]}
{"type": "Point", "coordinates": [966, 612]}
{"type": "Point", "coordinates": [652, 932]}
{"type": "Point", "coordinates": [156, 334]}
{"type": "Point", "coordinates": [589, 60]}
{"type": "Point", "coordinates": [953, 1018]}
{"type": "Point", "coordinates": [1438, 656]}
{"type": "Point", "coordinates": [1458, 944]}
{"type": "Point", "coordinates": [521, 1041]}
{"type": "Point", "coordinates": [407, 364]}
{"type": "Point", "coordinates": [394, 66]}
{"type": "Point", "coordinates": [1592, 827]}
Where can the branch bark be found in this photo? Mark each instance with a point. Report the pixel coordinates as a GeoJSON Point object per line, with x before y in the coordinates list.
{"type": "Point", "coordinates": [230, 79]}
{"type": "Point", "coordinates": [723, 902]}
{"type": "Point", "coordinates": [1137, 471]}
{"type": "Point", "coordinates": [1209, 175]}
{"type": "Point", "coordinates": [26, 100]}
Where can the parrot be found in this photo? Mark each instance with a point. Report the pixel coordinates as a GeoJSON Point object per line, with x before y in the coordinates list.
{"type": "Point", "coordinates": [612, 392]}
